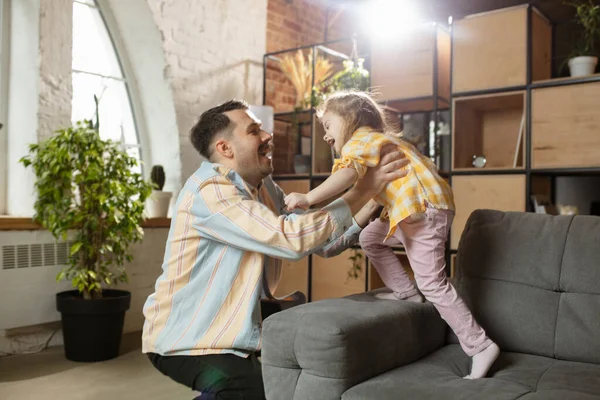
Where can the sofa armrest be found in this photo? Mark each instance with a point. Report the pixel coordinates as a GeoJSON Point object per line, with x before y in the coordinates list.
{"type": "Point", "coordinates": [320, 350]}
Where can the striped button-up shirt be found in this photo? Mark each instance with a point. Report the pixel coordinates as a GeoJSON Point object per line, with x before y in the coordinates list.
{"type": "Point", "coordinates": [207, 299]}
{"type": "Point", "coordinates": [404, 196]}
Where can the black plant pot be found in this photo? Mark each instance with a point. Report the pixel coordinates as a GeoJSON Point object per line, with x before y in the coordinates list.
{"type": "Point", "coordinates": [92, 329]}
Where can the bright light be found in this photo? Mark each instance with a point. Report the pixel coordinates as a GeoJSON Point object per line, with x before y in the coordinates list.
{"type": "Point", "coordinates": [386, 19]}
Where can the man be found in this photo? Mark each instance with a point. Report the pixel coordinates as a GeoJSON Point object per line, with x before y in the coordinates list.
{"type": "Point", "coordinates": [203, 321]}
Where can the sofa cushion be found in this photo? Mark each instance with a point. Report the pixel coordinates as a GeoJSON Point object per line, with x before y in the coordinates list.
{"type": "Point", "coordinates": [319, 350]}
{"type": "Point", "coordinates": [514, 375]}
{"type": "Point", "coordinates": [533, 282]}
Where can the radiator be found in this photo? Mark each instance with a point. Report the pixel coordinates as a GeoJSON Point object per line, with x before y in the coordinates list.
{"type": "Point", "coordinates": [29, 263]}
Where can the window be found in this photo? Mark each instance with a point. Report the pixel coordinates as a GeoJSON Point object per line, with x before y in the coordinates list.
{"type": "Point", "coordinates": [4, 56]}
{"type": "Point", "coordinates": [97, 71]}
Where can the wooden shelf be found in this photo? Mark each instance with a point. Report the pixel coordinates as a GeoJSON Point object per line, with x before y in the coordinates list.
{"type": "Point", "coordinates": [568, 80]}
{"type": "Point", "coordinates": [301, 116]}
{"type": "Point", "coordinates": [497, 192]}
{"type": "Point", "coordinates": [8, 223]}
{"type": "Point", "coordinates": [490, 49]}
{"type": "Point", "coordinates": [428, 49]}
{"type": "Point", "coordinates": [294, 274]}
{"type": "Point", "coordinates": [492, 126]}
{"type": "Point", "coordinates": [414, 105]}
{"type": "Point", "coordinates": [330, 277]}
{"type": "Point", "coordinates": [564, 126]}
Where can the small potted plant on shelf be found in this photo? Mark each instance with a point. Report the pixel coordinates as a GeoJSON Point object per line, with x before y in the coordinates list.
{"type": "Point", "coordinates": [88, 192]}
{"type": "Point", "coordinates": [584, 57]}
{"type": "Point", "coordinates": [357, 263]}
{"type": "Point", "coordinates": [159, 201]}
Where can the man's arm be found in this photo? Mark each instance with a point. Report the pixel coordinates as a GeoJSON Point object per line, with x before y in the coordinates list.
{"type": "Point", "coordinates": [223, 213]}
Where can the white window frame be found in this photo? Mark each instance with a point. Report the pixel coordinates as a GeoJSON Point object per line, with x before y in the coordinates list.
{"type": "Point", "coordinates": [121, 54]}
{"type": "Point", "coordinates": [4, 79]}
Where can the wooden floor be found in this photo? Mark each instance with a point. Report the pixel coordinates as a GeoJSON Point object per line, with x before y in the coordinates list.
{"type": "Point", "coordinates": [48, 375]}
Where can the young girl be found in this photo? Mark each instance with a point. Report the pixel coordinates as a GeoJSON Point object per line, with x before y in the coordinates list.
{"type": "Point", "coordinates": [418, 213]}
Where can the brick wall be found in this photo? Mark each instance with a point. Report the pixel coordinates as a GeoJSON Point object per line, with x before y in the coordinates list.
{"type": "Point", "coordinates": [291, 24]}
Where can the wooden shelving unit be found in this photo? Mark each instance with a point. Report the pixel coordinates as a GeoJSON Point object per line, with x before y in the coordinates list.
{"type": "Point", "coordinates": [531, 127]}
{"type": "Point", "coordinates": [493, 74]}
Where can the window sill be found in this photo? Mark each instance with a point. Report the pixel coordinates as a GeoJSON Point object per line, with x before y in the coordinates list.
{"type": "Point", "coordinates": [8, 223]}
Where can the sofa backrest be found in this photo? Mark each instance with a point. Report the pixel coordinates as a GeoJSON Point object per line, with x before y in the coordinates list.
{"type": "Point", "coordinates": [533, 281]}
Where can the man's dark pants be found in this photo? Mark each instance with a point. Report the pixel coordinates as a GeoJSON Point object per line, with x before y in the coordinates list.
{"type": "Point", "coordinates": [218, 376]}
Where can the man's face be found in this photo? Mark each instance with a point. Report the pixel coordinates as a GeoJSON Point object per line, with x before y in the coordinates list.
{"type": "Point", "coordinates": [252, 147]}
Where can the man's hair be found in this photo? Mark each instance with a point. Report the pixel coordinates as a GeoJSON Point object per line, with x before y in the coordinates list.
{"type": "Point", "coordinates": [212, 123]}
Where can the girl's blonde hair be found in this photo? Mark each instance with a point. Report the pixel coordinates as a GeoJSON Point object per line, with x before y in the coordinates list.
{"type": "Point", "coordinates": [357, 109]}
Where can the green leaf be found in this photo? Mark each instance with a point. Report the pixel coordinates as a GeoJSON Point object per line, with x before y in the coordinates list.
{"type": "Point", "coordinates": [75, 248]}
{"type": "Point", "coordinates": [85, 185]}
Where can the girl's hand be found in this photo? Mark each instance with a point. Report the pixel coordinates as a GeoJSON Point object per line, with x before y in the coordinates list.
{"type": "Point", "coordinates": [296, 200]}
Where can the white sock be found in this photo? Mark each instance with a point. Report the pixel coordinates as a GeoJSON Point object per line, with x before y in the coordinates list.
{"type": "Point", "coordinates": [482, 361]}
{"type": "Point", "coordinates": [416, 298]}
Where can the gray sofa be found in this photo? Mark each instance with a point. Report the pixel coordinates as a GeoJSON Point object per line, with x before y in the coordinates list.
{"type": "Point", "coordinates": [532, 281]}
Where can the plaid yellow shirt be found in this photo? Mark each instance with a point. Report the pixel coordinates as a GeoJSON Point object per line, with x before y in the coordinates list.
{"type": "Point", "coordinates": [405, 196]}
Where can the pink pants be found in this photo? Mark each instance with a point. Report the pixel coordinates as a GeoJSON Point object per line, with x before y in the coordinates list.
{"type": "Point", "coordinates": [424, 241]}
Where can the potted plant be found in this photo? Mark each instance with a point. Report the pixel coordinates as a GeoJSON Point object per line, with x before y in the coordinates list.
{"type": "Point", "coordinates": [87, 191]}
{"type": "Point", "coordinates": [158, 203]}
{"type": "Point", "coordinates": [584, 57]}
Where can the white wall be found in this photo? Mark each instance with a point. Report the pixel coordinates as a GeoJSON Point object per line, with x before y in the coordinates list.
{"type": "Point", "coordinates": [183, 57]}
{"type": "Point", "coordinates": [27, 295]}
{"type": "Point", "coordinates": [214, 52]}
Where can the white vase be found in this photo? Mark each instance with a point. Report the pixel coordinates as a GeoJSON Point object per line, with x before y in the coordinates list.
{"type": "Point", "coordinates": [583, 66]}
{"type": "Point", "coordinates": [157, 205]}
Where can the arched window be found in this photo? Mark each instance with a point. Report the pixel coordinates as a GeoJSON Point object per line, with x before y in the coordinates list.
{"type": "Point", "coordinates": [97, 71]}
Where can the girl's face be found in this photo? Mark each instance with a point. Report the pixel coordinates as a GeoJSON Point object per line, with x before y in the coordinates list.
{"type": "Point", "coordinates": [333, 125]}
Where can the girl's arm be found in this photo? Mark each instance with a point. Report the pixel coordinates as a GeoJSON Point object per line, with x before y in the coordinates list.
{"type": "Point", "coordinates": [339, 181]}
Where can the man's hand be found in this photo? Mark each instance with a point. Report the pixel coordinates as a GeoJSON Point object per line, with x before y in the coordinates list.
{"type": "Point", "coordinates": [296, 200]}
{"type": "Point", "coordinates": [392, 165]}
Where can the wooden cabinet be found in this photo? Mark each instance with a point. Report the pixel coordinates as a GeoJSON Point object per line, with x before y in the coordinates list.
{"type": "Point", "coordinates": [492, 126]}
{"type": "Point", "coordinates": [330, 276]}
{"type": "Point", "coordinates": [565, 128]}
{"type": "Point", "coordinates": [405, 67]}
{"type": "Point", "coordinates": [294, 274]}
{"type": "Point", "coordinates": [490, 49]}
{"type": "Point", "coordinates": [497, 192]}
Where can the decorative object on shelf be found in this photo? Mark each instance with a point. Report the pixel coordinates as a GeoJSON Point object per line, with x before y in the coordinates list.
{"type": "Point", "coordinates": [157, 205]}
{"type": "Point", "coordinates": [543, 205]}
{"type": "Point", "coordinates": [583, 59]}
{"type": "Point", "coordinates": [415, 130]}
{"type": "Point", "coordinates": [88, 192]}
{"type": "Point", "coordinates": [298, 69]}
{"type": "Point", "coordinates": [519, 141]}
{"type": "Point", "coordinates": [354, 76]}
{"type": "Point", "coordinates": [356, 267]}
{"type": "Point", "coordinates": [566, 209]}
{"type": "Point", "coordinates": [479, 161]}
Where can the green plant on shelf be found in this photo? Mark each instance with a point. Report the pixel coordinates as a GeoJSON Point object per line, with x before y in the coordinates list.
{"type": "Point", "coordinates": [588, 16]}
{"type": "Point", "coordinates": [356, 268]}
